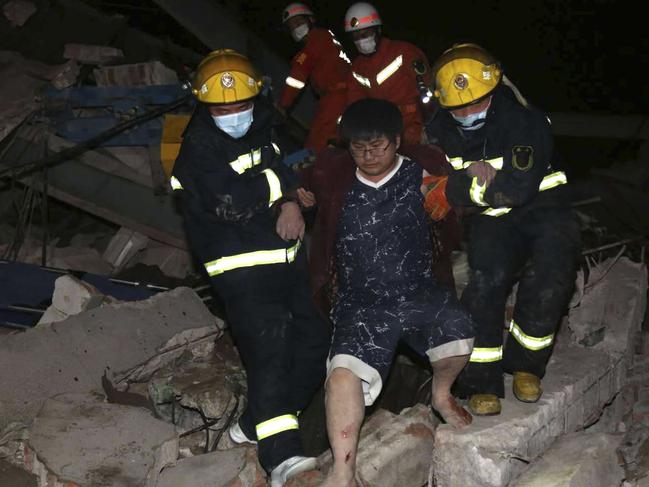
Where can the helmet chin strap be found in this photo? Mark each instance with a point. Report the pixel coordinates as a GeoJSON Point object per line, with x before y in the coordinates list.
{"type": "Point", "coordinates": [521, 99]}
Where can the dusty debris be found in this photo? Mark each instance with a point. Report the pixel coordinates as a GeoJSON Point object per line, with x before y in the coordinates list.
{"type": "Point", "coordinates": [81, 439]}
{"type": "Point", "coordinates": [72, 355]}
{"type": "Point", "coordinates": [123, 246]}
{"type": "Point", "coordinates": [92, 54]}
{"type": "Point", "coordinates": [18, 12]}
{"type": "Point", "coordinates": [139, 74]}
{"type": "Point", "coordinates": [71, 297]}
{"type": "Point", "coordinates": [236, 467]}
{"type": "Point", "coordinates": [577, 460]}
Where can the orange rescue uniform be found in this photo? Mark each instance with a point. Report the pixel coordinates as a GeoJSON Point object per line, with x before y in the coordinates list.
{"type": "Point", "coordinates": [324, 64]}
{"type": "Point", "coordinates": [389, 74]}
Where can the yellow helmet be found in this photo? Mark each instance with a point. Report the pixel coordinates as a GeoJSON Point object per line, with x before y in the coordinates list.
{"type": "Point", "coordinates": [464, 74]}
{"type": "Point", "coordinates": [225, 76]}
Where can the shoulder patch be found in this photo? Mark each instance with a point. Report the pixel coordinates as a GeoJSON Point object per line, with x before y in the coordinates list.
{"type": "Point", "coordinates": [522, 157]}
{"type": "Point", "coordinates": [300, 58]}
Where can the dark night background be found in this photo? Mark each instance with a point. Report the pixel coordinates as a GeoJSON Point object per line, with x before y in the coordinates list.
{"type": "Point", "coordinates": [585, 56]}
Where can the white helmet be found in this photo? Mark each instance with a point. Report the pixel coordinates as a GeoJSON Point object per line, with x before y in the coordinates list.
{"type": "Point", "coordinates": [361, 15]}
{"type": "Point", "coordinates": [295, 9]}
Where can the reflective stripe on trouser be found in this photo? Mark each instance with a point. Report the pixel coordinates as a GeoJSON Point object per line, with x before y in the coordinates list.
{"type": "Point", "coordinates": [546, 249]}
{"type": "Point", "coordinates": [283, 343]}
{"type": "Point", "coordinates": [486, 354]}
{"type": "Point", "coordinates": [249, 259]}
{"type": "Point", "coordinates": [276, 425]}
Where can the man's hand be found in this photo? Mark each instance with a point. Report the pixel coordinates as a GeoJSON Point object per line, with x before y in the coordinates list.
{"type": "Point", "coordinates": [483, 171]}
{"type": "Point", "coordinates": [434, 190]}
{"type": "Point", "coordinates": [290, 224]}
{"type": "Point", "coordinates": [307, 198]}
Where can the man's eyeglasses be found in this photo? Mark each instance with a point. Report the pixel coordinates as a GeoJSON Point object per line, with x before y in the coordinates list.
{"type": "Point", "coordinates": [359, 151]}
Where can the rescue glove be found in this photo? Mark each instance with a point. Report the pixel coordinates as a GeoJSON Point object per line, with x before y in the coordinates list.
{"type": "Point", "coordinates": [435, 202]}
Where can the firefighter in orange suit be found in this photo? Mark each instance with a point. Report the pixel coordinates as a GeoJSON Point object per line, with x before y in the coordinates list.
{"type": "Point", "coordinates": [322, 62]}
{"type": "Point", "coordinates": [396, 71]}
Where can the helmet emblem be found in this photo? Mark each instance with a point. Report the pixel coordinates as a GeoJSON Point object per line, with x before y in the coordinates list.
{"type": "Point", "coordinates": [354, 22]}
{"type": "Point", "coordinates": [251, 82]}
{"type": "Point", "coordinates": [227, 80]}
{"type": "Point", "coordinates": [460, 81]}
{"type": "Point", "coordinates": [486, 75]}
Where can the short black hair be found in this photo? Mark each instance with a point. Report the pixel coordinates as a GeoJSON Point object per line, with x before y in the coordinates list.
{"type": "Point", "coordinates": [371, 118]}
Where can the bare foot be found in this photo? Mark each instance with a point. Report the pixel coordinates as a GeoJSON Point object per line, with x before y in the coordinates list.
{"type": "Point", "coordinates": [338, 481]}
{"type": "Point", "coordinates": [452, 412]}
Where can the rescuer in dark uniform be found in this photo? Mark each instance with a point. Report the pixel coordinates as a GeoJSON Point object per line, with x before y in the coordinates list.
{"type": "Point", "coordinates": [520, 224]}
{"type": "Point", "coordinates": [244, 227]}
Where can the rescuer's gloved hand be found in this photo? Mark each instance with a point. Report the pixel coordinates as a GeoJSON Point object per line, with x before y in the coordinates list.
{"type": "Point", "coordinates": [435, 202]}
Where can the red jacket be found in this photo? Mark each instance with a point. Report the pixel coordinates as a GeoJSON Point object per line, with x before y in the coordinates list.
{"type": "Point", "coordinates": [330, 178]}
{"type": "Point", "coordinates": [322, 62]}
{"type": "Point", "coordinates": [389, 74]}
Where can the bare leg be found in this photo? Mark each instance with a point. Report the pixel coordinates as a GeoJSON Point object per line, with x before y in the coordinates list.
{"type": "Point", "coordinates": [345, 412]}
{"type": "Point", "coordinates": [445, 371]}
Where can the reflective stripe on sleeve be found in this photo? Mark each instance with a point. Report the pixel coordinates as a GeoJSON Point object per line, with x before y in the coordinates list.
{"type": "Point", "coordinates": [458, 163]}
{"type": "Point", "coordinates": [483, 355]}
{"type": "Point", "coordinates": [246, 161]}
{"type": "Point", "coordinates": [276, 425]}
{"type": "Point", "coordinates": [175, 184]}
{"type": "Point", "coordinates": [389, 70]}
{"type": "Point", "coordinates": [274, 186]}
{"type": "Point", "coordinates": [250, 259]}
{"type": "Point", "coordinates": [477, 192]}
{"type": "Point", "coordinates": [527, 341]}
{"type": "Point", "coordinates": [362, 79]}
{"type": "Point", "coordinates": [295, 83]}
{"type": "Point", "coordinates": [548, 182]}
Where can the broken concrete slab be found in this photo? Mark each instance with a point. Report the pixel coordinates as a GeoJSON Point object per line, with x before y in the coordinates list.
{"type": "Point", "coordinates": [140, 74]}
{"type": "Point", "coordinates": [610, 313]}
{"type": "Point", "coordinates": [92, 54]}
{"type": "Point", "coordinates": [72, 296]}
{"type": "Point", "coordinates": [492, 451]}
{"type": "Point", "coordinates": [579, 383]}
{"type": "Point", "coordinates": [392, 450]}
{"type": "Point", "coordinates": [18, 12]}
{"type": "Point", "coordinates": [230, 468]}
{"type": "Point", "coordinates": [72, 355]}
{"type": "Point", "coordinates": [635, 452]}
{"type": "Point", "coordinates": [123, 246]}
{"type": "Point", "coordinates": [577, 460]}
{"type": "Point", "coordinates": [80, 439]}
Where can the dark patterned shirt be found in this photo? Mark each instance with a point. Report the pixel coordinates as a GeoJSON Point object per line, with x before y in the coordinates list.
{"type": "Point", "coordinates": [383, 250]}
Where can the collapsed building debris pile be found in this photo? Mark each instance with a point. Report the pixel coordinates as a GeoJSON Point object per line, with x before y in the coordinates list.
{"type": "Point", "coordinates": [114, 372]}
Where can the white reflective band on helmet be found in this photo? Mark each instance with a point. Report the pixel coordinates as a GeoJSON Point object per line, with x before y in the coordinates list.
{"type": "Point", "coordinates": [477, 192]}
{"type": "Point", "coordinates": [246, 161]}
{"type": "Point", "coordinates": [483, 355]}
{"type": "Point", "coordinates": [295, 83]}
{"type": "Point", "coordinates": [277, 425]}
{"type": "Point", "coordinates": [274, 186]}
{"type": "Point", "coordinates": [175, 184]}
{"type": "Point", "coordinates": [548, 182]}
{"type": "Point", "coordinates": [250, 259]}
{"type": "Point", "coordinates": [530, 342]}
{"type": "Point", "coordinates": [361, 79]}
{"type": "Point", "coordinates": [389, 70]}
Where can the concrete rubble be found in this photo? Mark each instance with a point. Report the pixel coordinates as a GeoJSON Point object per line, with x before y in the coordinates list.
{"type": "Point", "coordinates": [77, 439]}
{"type": "Point", "coordinates": [393, 450]}
{"type": "Point", "coordinates": [72, 355]}
{"type": "Point", "coordinates": [576, 460]}
{"type": "Point", "coordinates": [235, 467]}
{"type": "Point", "coordinates": [71, 297]}
{"type": "Point", "coordinates": [582, 386]}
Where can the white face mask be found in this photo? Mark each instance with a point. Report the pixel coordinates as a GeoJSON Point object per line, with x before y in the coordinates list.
{"type": "Point", "coordinates": [235, 124]}
{"type": "Point", "coordinates": [473, 121]}
{"type": "Point", "coordinates": [366, 45]}
{"type": "Point", "coordinates": [299, 32]}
